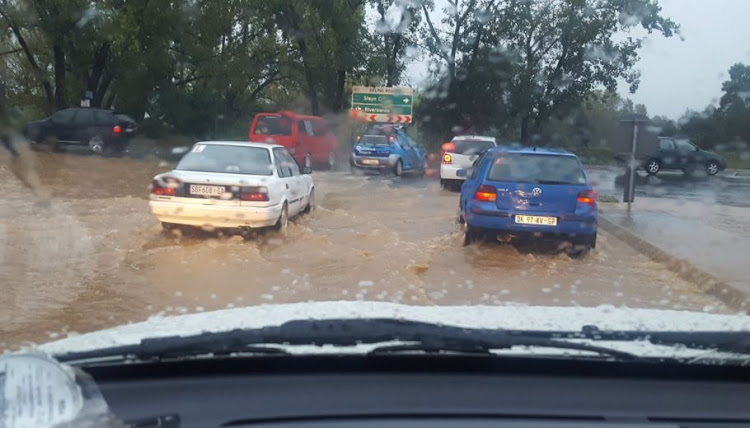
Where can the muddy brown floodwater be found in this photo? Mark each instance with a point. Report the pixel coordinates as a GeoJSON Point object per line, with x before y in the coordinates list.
{"type": "Point", "coordinates": [92, 256]}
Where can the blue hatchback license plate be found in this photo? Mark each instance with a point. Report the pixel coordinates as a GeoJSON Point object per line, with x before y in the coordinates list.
{"type": "Point", "coordinates": [538, 220]}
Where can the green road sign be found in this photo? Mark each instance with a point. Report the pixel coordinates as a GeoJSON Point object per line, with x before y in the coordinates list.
{"type": "Point", "coordinates": [384, 110]}
{"type": "Point", "coordinates": [382, 101]}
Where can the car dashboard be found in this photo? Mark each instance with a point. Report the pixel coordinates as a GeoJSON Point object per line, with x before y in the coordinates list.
{"type": "Point", "coordinates": [423, 390]}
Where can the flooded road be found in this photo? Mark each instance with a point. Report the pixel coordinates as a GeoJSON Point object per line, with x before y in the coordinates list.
{"type": "Point", "coordinates": [84, 253]}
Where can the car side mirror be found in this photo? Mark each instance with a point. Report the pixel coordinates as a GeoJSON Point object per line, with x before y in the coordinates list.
{"type": "Point", "coordinates": [461, 173]}
{"type": "Point", "coordinates": [306, 170]}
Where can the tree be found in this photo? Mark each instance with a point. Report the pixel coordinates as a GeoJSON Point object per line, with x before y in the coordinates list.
{"type": "Point", "coordinates": [730, 122]}
{"type": "Point", "coordinates": [665, 126]}
{"type": "Point", "coordinates": [553, 53]}
{"type": "Point", "coordinates": [565, 49]}
{"type": "Point", "coordinates": [395, 30]}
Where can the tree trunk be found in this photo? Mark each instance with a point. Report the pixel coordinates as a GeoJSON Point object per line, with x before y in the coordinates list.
{"type": "Point", "coordinates": [99, 79]}
{"type": "Point", "coordinates": [525, 130]}
{"type": "Point", "coordinates": [109, 101]}
{"type": "Point", "coordinates": [101, 89]}
{"type": "Point", "coordinates": [340, 82]}
{"type": "Point", "coordinates": [34, 64]}
{"type": "Point", "coordinates": [314, 106]}
{"type": "Point", "coordinates": [391, 60]}
{"type": "Point", "coordinates": [59, 64]}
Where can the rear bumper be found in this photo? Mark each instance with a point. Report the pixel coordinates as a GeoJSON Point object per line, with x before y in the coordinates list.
{"type": "Point", "coordinates": [214, 215]}
{"type": "Point", "coordinates": [448, 172]}
{"type": "Point", "coordinates": [573, 227]}
{"type": "Point", "coordinates": [358, 161]}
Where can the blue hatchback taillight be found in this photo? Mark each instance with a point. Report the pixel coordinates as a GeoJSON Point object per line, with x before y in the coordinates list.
{"type": "Point", "coordinates": [587, 197]}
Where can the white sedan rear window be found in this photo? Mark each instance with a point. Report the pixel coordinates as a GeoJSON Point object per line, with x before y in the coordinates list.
{"type": "Point", "coordinates": [227, 159]}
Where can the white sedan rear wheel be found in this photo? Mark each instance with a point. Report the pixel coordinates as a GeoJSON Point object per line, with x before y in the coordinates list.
{"type": "Point", "coordinates": [283, 222]}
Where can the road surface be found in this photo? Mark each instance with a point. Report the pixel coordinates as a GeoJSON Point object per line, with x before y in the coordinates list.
{"type": "Point", "coordinates": [92, 256]}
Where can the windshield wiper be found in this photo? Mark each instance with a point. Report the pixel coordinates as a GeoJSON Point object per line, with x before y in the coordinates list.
{"type": "Point", "coordinates": [415, 335]}
{"type": "Point", "coordinates": [552, 182]}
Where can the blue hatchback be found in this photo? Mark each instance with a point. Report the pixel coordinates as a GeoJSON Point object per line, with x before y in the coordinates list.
{"type": "Point", "coordinates": [529, 193]}
{"type": "Point", "coordinates": [387, 148]}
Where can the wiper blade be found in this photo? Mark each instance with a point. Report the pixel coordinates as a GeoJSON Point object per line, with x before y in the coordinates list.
{"type": "Point", "coordinates": [723, 341]}
{"type": "Point", "coordinates": [552, 182]}
{"type": "Point", "coordinates": [172, 347]}
{"type": "Point", "coordinates": [336, 332]}
{"type": "Point", "coordinates": [419, 335]}
{"type": "Point", "coordinates": [508, 342]}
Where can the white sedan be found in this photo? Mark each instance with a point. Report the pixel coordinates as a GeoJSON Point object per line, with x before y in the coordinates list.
{"type": "Point", "coordinates": [461, 153]}
{"type": "Point", "coordinates": [220, 184]}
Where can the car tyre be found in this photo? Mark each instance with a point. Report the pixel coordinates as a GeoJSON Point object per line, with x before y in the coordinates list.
{"type": "Point", "coordinates": [578, 253]}
{"type": "Point", "coordinates": [310, 202]}
{"type": "Point", "coordinates": [712, 167]}
{"type": "Point", "coordinates": [96, 144]}
{"type": "Point", "coordinates": [283, 222]}
{"type": "Point", "coordinates": [470, 235]}
{"type": "Point", "coordinates": [582, 248]}
{"type": "Point", "coordinates": [398, 169]}
{"type": "Point", "coordinates": [653, 166]}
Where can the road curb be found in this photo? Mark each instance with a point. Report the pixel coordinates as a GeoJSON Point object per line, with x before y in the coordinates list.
{"type": "Point", "coordinates": [734, 178]}
{"type": "Point", "coordinates": [707, 283]}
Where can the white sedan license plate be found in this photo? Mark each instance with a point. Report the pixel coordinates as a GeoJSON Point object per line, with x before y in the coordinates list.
{"type": "Point", "coordinates": [370, 161]}
{"type": "Point", "coordinates": [539, 220]}
{"type": "Point", "coordinates": [197, 189]}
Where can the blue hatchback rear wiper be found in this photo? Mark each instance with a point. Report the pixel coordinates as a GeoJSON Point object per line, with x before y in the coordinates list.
{"type": "Point", "coordinates": [552, 182]}
{"type": "Point", "coordinates": [408, 335]}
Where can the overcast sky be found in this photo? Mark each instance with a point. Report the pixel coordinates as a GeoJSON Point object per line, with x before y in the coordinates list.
{"type": "Point", "coordinates": [688, 74]}
{"type": "Point", "coordinates": [680, 74]}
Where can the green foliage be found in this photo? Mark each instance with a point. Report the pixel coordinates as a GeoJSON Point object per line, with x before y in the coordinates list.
{"type": "Point", "coordinates": [203, 68]}
{"type": "Point", "coordinates": [542, 59]}
{"type": "Point", "coordinates": [726, 128]}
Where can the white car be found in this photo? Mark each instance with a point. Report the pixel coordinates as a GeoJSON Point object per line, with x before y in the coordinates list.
{"type": "Point", "coordinates": [461, 154]}
{"type": "Point", "coordinates": [220, 184]}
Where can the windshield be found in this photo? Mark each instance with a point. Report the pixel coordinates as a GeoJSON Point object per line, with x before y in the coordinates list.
{"type": "Point", "coordinates": [273, 125]}
{"type": "Point", "coordinates": [177, 167]}
{"type": "Point", "coordinates": [471, 147]}
{"type": "Point", "coordinates": [533, 168]}
{"type": "Point", "coordinates": [379, 140]}
{"type": "Point", "coordinates": [229, 159]}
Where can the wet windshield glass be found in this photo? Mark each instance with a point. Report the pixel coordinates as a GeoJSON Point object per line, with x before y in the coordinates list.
{"type": "Point", "coordinates": [380, 140]}
{"type": "Point", "coordinates": [273, 125]}
{"type": "Point", "coordinates": [531, 168]}
{"type": "Point", "coordinates": [229, 159]}
{"type": "Point", "coordinates": [196, 165]}
{"type": "Point", "coordinates": [471, 147]}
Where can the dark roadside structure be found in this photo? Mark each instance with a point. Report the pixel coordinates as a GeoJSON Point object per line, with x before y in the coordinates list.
{"type": "Point", "coordinates": [5, 123]}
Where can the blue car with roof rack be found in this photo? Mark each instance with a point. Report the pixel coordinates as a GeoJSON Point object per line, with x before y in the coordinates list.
{"type": "Point", "coordinates": [523, 192]}
{"type": "Point", "coordinates": [387, 149]}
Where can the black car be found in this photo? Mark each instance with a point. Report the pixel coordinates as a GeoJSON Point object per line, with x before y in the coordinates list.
{"type": "Point", "coordinates": [103, 131]}
{"type": "Point", "coordinates": [681, 153]}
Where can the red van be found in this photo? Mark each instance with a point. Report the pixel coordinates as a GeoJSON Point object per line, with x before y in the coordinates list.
{"type": "Point", "coordinates": [306, 137]}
